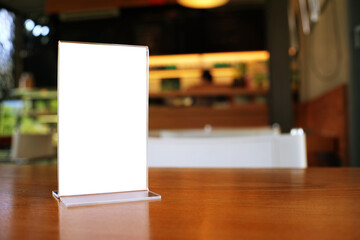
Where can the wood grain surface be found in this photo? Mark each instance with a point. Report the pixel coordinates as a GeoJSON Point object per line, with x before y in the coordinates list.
{"type": "Point", "coordinates": [316, 203]}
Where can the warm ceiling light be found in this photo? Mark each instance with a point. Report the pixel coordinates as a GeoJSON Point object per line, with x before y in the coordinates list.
{"type": "Point", "coordinates": [202, 3]}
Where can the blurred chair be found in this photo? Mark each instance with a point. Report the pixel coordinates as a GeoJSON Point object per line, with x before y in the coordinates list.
{"type": "Point", "coordinates": [31, 146]}
{"type": "Point", "coordinates": [255, 151]}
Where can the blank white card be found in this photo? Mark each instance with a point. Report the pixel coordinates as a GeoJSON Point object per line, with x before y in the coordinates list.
{"type": "Point", "coordinates": [102, 118]}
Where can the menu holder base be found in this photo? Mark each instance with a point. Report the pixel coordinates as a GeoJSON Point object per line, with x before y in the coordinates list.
{"type": "Point", "coordinates": [106, 198]}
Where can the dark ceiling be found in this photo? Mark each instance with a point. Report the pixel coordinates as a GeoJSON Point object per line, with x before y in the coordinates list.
{"type": "Point", "coordinates": [27, 7]}
{"type": "Point", "coordinates": [34, 8]}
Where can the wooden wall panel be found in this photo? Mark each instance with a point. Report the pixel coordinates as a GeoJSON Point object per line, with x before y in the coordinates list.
{"type": "Point", "coordinates": [327, 117]}
{"type": "Point", "coordinates": [321, 151]}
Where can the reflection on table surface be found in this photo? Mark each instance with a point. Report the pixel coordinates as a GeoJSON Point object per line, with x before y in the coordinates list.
{"type": "Point", "coordinates": [109, 221]}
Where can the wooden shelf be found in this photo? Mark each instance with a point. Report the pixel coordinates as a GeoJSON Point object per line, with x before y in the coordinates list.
{"type": "Point", "coordinates": [207, 92]}
{"type": "Point", "coordinates": [34, 94]}
{"type": "Point", "coordinates": [247, 115]}
{"type": "Point", "coordinates": [37, 113]}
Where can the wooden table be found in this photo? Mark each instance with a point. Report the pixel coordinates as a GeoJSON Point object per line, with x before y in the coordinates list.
{"type": "Point", "coordinates": [317, 203]}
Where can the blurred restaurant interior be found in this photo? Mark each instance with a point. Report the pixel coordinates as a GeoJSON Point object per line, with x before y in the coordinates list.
{"type": "Point", "coordinates": [243, 68]}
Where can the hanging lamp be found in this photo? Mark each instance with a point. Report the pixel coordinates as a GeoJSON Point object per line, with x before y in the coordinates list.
{"type": "Point", "coordinates": [202, 3]}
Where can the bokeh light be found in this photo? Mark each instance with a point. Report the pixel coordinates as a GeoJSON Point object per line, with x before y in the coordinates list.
{"type": "Point", "coordinates": [7, 35]}
{"type": "Point", "coordinates": [45, 30]}
{"type": "Point", "coordinates": [29, 24]}
{"type": "Point", "coordinates": [37, 30]}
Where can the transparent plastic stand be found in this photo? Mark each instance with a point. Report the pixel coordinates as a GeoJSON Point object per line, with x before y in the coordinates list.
{"type": "Point", "coordinates": [106, 198]}
{"type": "Point", "coordinates": [102, 140]}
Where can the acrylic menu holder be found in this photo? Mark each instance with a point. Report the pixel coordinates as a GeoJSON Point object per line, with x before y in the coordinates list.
{"type": "Point", "coordinates": [102, 124]}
